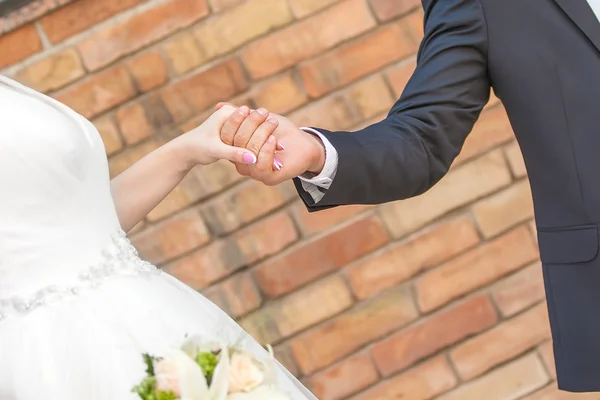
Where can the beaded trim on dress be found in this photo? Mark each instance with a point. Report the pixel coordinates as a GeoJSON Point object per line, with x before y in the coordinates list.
{"type": "Point", "coordinates": [119, 259]}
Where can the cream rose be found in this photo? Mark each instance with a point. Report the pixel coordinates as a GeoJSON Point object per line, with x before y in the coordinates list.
{"type": "Point", "coordinates": [246, 373]}
{"type": "Point", "coordinates": [167, 376]}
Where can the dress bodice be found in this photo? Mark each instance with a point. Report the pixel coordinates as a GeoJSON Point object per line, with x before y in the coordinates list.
{"type": "Point", "coordinates": [56, 208]}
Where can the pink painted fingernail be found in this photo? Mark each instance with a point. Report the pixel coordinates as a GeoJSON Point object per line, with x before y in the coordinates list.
{"type": "Point", "coordinates": [278, 164]}
{"type": "Point", "coordinates": [244, 110]}
{"type": "Point", "coordinates": [249, 158]}
{"type": "Point", "coordinates": [280, 146]}
{"type": "Point", "coordinates": [262, 111]}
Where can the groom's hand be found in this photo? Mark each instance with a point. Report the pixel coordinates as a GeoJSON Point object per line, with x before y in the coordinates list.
{"type": "Point", "coordinates": [299, 152]}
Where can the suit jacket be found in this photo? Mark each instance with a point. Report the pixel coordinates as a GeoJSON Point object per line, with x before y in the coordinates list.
{"type": "Point", "coordinates": [542, 58]}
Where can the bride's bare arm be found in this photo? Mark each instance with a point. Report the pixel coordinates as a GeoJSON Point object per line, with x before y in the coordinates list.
{"type": "Point", "coordinates": [146, 183]}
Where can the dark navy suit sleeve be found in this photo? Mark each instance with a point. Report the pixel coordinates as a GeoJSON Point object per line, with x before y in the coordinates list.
{"type": "Point", "coordinates": [412, 149]}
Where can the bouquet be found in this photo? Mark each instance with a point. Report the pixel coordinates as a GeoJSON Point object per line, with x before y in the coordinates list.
{"type": "Point", "coordinates": [202, 370]}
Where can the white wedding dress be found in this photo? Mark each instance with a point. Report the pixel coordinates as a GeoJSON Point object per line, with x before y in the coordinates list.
{"type": "Point", "coordinates": [77, 306]}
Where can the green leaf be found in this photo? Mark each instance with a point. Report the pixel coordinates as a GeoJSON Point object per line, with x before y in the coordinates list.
{"type": "Point", "coordinates": [149, 361]}
{"type": "Point", "coordinates": [207, 362]}
{"type": "Point", "coordinates": [146, 389]}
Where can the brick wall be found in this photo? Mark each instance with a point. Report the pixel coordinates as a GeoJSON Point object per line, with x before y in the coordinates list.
{"type": "Point", "coordinates": [436, 297]}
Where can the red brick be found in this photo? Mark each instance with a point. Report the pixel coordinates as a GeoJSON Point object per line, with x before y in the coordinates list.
{"type": "Point", "coordinates": [475, 269]}
{"type": "Point", "coordinates": [546, 352]}
{"type": "Point", "coordinates": [404, 260]}
{"type": "Point", "coordinates": [245, 204]}
{"type": "Point", "coordinates": [461, 186]}
{"type": "Point", "coordinates": [504, 210]}
{"type": "Point", "coordinates": [18, 45]}
{"type": "Point", "coordinates": [99, 93]}
{"type": "Point", "coordinates": [231, 29]}
{"type": "Point", "coordinates": [319, 257]}
{"type": "Point", "coordinates": [169, 239]}
{"type": "Point", "coordinates": [52, 72]}
{"type": "Point", "coordinates": [81, 15]}
{"type": "Point", "coordinates": [149, 70]}
{"type": "Point", "coordinates": [352, 330]}
{"type": "Point", "coordinates": [390, 9]}
{"type": "Point", "coordinates": [188, 97]}
{"type": "Point", "coordinates": [133, 123]}
{"type": "Point", "coordinates": [358, 59]}
{"type": "Point", "coordinates": [371, 96]}
{"type": "Point", "coordinates": [237, 295]}
{"type": "Point", "coordinates": [28, 12]}
{"type": "Point", "coordinates": [433, 334]}
{"type": "Point", "coordinates": [511, 381]}
{"type": "Point", "coordinates": [423, 382]}
{"type": "Point", "coordinates": [515, 160]}
{"type": "Point", "coordinates": [122, 38]}
{"type": "Point", "coordinates": [399, 75]}
{"type": "Point", "coordinates": [502, 343]}
{"type": "Point", "coordinates": [303, 8]}
{"type": "Point", "coordinates": [280, 95]}
{"type": "Point", "coordinates": [348, 377]}
{"type": "Point", "coordinates": [519, 291]}
{"type": "Point", "coordinates": [298, 311]}
{"type": "Point", "coordinates": [110, 134]}
{"type": "Point", "coordinates": [288, 46]}
{"type": "Point", "coordinates": [311, 223]}
{"type": "Point", "coordinates": [491, 130]}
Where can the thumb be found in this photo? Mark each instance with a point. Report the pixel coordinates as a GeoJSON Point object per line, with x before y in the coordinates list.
{"type": "Point", "coordinates": [237, 155]}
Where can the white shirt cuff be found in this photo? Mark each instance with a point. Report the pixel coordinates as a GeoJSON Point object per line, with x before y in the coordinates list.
{"type": "Point", "coordinates": [317, 185]}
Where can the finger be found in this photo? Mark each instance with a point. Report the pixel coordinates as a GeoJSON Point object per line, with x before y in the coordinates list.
{"type": "Point", "coordinates": [242, 169]}
{"type": "Point", "coordinates": [266, 159]}
{"type": "Point", "coordinates": [232, 124]}
{"type": "Point", "coordinates": [238, 155]}
{"type": "Point", "coordinates": [223, 104]}
{"type": "Point", "coordinates": [249, 126]}
{"type": "Point", "coordinates": [261, 134]}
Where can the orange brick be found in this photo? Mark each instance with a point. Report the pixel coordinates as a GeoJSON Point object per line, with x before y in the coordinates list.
{"type": "Point", "coordinates": [460, 187]}
{"type": "Point", "coordinates": [241, 206]}
{"type": "Point", "coordinates": [134, 123]}
{"type": "Point", "coordinates": [307, 38]}
{"type": "Point", "coordinates": [390, 9]}
{"type": "Point", "coordinates": [311, 223]}
{"type": "Point", "coordinates": [519, 291]}
{"type": "Point", "coordinates": [237, 295]}
{"type": "Point", "coordinates": [399, 75]}
{"type": "Point", "coordinates": [546, 352]}
{"type": "Point", "coordinates": [188, 97]}
{"type": "Point", "coordinates": [230, 29]}
{"type": "Point", "coordinates": [476, 269]}
{"type": "Point", "coordinates": [266, 237]}
{"type": "Point", "coordinates": [220, 5]}
{"type": "Point", "coordinates": [110, 134]}
{"type": "Point", "coordinates": [99, 93]}
{"type": "Point", "coordinates": [81, 15]}
{"type": "Point", "coordinates": [303, 8]}
{"type": "Point", "coordinates": [366, 322]}
{"type": "Point", "coordinates": [348, 377]}
{"type": "Point", "coordinates": [149, 70]}
{"type": "Point", "coordinates": [511, 381]}
{"type": "Point", "coordinates": [502, 343]}
{"type": "Point", "coordinates": [120, 162]}
{"type": "Point", "coordinates": [284, 355]}
{"type": "Point", "coordinates": [208, 265]}
{"type": "Point", "coordinates": [433, 334]}
{"type": "Point", "coordinates": [280, 95]}
{"type": "Point", "coordinates": [174, 237]}
{"type": "Point", "coordinates": [18, 45]}
{"type": "Point", "coordinates": [319, 257]}
{"type": "Point", "coordinates": [122, 38]}
{"type": "Point", "coordinates": [371, 96]}
{"type": "Point", "coordinates": [358, 59]}
{"type": "Point", "coordinates": [491, 130]}
{"type": "Point", "coordinates": [504, 210]}
{"type": "Point", "coordinates": [515, 160]}
{"type": "Point", "coordinates": [52, 72]}
{"type": "Point", "coordinates": [423, 382]}
{"type": "Point", "coordinates": [395, 264]}
{"type": "Point", "coordinates": [298, 311]}
{"type": "Point", "coordinates": [184, 53]}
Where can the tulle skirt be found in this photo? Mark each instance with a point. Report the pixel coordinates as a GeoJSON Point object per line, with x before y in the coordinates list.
{"type": "Point", "coordinates": [89, 347]}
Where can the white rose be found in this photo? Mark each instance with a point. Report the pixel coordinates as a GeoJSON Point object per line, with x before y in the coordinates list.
{"type": "Point", "coordinates": [246, 372]}
{"type": "Point", "coordinates": [260, 393]}
{"type": "Point", "coordinates": [179, 374]}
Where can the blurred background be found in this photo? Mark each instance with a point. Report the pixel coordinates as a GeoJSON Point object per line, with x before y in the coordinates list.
{"type": "Point", "coordinates": [438, 297]}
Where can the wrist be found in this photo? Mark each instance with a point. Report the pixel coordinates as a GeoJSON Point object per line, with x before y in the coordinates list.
{"type": "Point", "coordinates": [181, 154]}
{"type": "Point", "coordinates": [317, 162]}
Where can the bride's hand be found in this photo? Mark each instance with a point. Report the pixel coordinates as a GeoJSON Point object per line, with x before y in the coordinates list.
{"type": "Point", "coordinates": [203, 145]}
